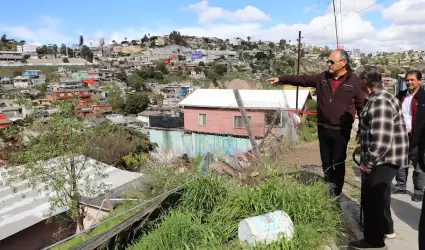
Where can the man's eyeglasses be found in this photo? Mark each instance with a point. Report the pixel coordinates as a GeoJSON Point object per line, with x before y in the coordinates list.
{"type": "Point", "coordinates": [333, 62]}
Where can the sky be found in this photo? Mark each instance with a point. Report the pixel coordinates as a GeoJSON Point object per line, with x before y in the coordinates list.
{"type": "Point", "coordinates": [368, 25]}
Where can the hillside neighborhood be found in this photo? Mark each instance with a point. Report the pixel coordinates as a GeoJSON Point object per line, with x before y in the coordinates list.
{"type": "Point", "coordinates": [90, 132]}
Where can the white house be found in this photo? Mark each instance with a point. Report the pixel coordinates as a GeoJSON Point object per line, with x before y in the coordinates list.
{"type": "Point", "coordinates": [22, 82]}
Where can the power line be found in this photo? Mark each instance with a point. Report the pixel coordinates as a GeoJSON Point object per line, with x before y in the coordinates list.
{"type": "Point", "coordinates": [340, 17]}
{"type": "Point", "coordinates": [352, 13]}
{"type": "Point", "coordinates": [336, 24]}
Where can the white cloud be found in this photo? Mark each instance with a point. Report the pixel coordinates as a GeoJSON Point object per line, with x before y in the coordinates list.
{"type": "Point", "coordinates": [47, 32]}
{"type": "Point", "coordinates": [207, 14]}
{"type": "Point", "coordinates": [406, 12]}
{"type": "Point", "coordinates": [406, 31]}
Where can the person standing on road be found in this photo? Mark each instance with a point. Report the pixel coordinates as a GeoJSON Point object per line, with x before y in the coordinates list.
{"type": "Point", "coordinates": [384, 147]}
{"type": "Point", "coordinates": [339, 96]}
{"type": "Point", "coordinates": [413, 106]}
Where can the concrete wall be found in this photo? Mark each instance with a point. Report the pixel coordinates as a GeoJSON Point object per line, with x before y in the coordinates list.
{"type": "Point", "coordinates": [177, 143]}
{"type": "Point", "coordinates": [221, 121]}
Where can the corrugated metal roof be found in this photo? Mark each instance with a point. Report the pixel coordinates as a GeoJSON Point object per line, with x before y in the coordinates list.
{"type": "Point", "coordinates": [252, 99]}
{"type": "Point", "coordinates": [24, 207]}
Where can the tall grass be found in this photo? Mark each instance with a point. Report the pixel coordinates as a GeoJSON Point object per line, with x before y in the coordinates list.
{"type": "Point", "coordinates": [212, 207]}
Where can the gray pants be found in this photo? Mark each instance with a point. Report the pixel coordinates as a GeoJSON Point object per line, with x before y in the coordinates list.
{"type": "Point", "coordinates": [418, 175]}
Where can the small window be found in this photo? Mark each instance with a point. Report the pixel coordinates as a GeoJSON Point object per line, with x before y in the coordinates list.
{"type": "Point", "coordinates": [202, 120]}
{"type": "Point", "coordinates": [238, 121]}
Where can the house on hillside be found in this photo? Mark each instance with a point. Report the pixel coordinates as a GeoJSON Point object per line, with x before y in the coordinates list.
{"type": "Point", "coordinates": [4, 121]}
{"type": "Point", "coordinates": [32, 73]}
{"type": "Point", "coordinates": [65, 94]}
{"type": "Point", "coordinates": [22, 82]}
{"type": "Point", "coordinates": [215, 111]}
{"type": "Point", "coordinates": [24, 225]}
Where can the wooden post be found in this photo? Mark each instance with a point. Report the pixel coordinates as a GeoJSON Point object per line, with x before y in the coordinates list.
{"type": "Point", "coordinates": [238, 98]}
{"type": "Point", "coordinates": [298, 65]}
{"type": "Point", "coordinates": [108, 202]}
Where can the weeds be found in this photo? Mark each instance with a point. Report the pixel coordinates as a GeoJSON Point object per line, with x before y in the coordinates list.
{"type": "Point", "coordinates": [212, 207]}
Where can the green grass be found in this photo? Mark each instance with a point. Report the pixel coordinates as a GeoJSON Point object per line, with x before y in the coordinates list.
{"type": "Point", "coordinates": [213, 206]}
{"type": "Point", "coordinates": [104, 227]}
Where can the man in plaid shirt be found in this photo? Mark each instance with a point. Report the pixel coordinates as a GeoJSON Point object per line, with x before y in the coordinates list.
{"type": "Point", "coordinates": [384, 148]}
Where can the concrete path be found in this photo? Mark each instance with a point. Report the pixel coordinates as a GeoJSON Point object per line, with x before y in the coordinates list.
{"type": "Point", "coordinates": [406, 215]}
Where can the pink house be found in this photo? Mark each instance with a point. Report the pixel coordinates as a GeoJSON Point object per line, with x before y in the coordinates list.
{"type": "Point", "coordinates": [215, 111]}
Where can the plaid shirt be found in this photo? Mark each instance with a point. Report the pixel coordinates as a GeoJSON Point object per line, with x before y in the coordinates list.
{"type": "Point", "coordinates": [383, 134]}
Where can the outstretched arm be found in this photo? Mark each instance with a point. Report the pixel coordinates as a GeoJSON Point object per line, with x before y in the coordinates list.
{"type": "Point", "coordinates": [297, 80]}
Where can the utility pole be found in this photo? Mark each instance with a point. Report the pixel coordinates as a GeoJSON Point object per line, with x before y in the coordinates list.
{"type": "Point", "coordinates": [298, 65]}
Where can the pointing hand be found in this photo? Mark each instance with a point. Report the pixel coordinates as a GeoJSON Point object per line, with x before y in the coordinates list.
{"type": "Point", "coordinates": [273, 80]}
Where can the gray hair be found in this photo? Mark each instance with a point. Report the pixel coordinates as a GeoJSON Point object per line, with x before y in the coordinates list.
{"type": "Point", "coordinates": [344, 55]}
{"type": "Point", "coordinates": [372, 75]}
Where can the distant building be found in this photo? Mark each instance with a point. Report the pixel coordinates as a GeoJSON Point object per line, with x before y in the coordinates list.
{"type": "Point", "coordinates": [22, 82]}
{"type": "Point", "coordinates": [27, 48]}
{"type": "Point", "coordinates": [65, 94]}
{"type": "Point", "coordinates": [5, 80]}
{"type": "Point", "coordinates": [32, 73]}
{"type": "Point", "coordinates": [10, 55]}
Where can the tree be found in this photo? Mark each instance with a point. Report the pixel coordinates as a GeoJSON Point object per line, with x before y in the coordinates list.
{"type": "Point", "coordinates": [133, 42]}
{"type": "Point", "coordinates": [65, 60]}
{"type": "Point", "coordinates": [201, 64]}
{"type": "Point", "coordinates": [282, 43]}
{"type": "Point", "coordinates": [145, 39]}
{"type": "Point", "coordinates": [55, 49]}
{"type": "Point", "coordinates": [40, 51]}
{"type": "Point", "coordinates": [176, 38]}
{"type": "Point", "coordinates": [55, 160]}
{"type": "Point", "coordinates": [364, 60]}
{"type": "Point", "coordinates": [125, 142]}
{"type": "Point", "coordinates": [4, 39]}
{"type": "Point", "coordinates": [25, 58]}
{"type": "Point", "coordinates": [158, 75]}
{"type": "Point", "coordinates": [136, 103]}
{"type": "Point", "coordinates": [161, 66]}
{"type": "Point", "coordinates": [115, 100]}
{"type": "Point", "coordinates": [62, 49]}
{"type": "Point", "coordinates": [220, 69]}
{"type": "Point", "coordinates": [159, 99]}
{"type": "Point", "coordinates": [260, 55]}
{"type": "Point", "coordinates": [136, 82]}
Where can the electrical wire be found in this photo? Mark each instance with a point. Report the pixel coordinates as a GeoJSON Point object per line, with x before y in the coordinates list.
{"type": "Point", "coordinates": [347, 16]}
{"type": "Point", "coordinates": [340, 17]}
{"type": "Point", "coordinates": [336, 24]}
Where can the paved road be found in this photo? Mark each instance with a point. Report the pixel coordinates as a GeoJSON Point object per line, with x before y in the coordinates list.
{"type": "Point", "coordinates": [406, 215]}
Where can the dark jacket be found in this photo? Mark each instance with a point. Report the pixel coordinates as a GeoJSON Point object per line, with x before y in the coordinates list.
{"type": "Point", "coordinates": [334, 110]}
{"type": "Point", "coordinates": [418, 115]}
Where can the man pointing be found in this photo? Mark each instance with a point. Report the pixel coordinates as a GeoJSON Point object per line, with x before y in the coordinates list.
{"type": "Point", "coordinates": [339, 96]}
